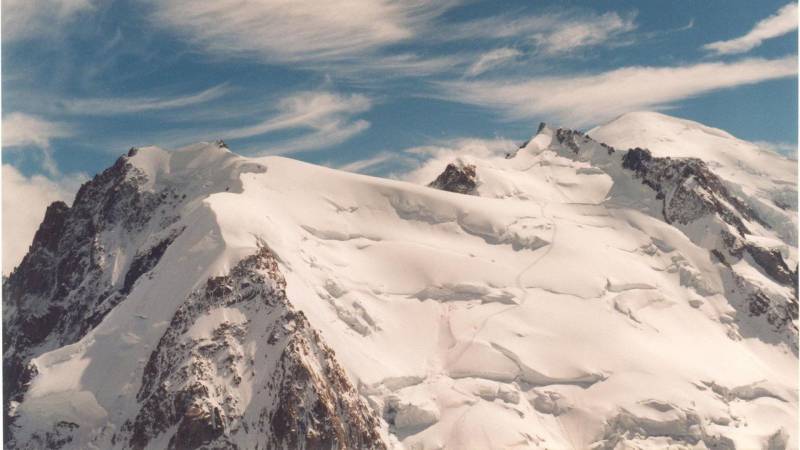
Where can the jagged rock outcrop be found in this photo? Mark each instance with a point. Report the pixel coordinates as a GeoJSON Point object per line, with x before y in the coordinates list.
{"type": "Point", "coordinates": [457, 177]}
{"type": "Point", "coordinates": [63, 287]}
{"type": "Point", "coordinates": [268, 380]}
{"type": "Point", "coordinates": [688, 188]}
{"type": "Point", "coordinates": [239, 364]}
{"type": "Point", "coordinates": [689, 191]}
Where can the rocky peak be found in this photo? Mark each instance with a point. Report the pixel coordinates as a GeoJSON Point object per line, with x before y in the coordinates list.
{"type": "Point", "coordinates": [47, 236]}
{"type": "Point", "coordinates": [688, 189]}
{"type": "Point", "coordinates": [193, 390]}
{"type": "Point", "coordinates": [62, 287]}
{"type": "Point", "coordinates": [457, 177]}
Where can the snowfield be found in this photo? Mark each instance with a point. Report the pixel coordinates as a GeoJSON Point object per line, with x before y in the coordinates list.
{"type": "Point", "coordinates": [554, 308]}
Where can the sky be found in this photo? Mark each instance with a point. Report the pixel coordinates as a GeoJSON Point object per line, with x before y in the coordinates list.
{"type": "Point", "coordinates": [356, 84]}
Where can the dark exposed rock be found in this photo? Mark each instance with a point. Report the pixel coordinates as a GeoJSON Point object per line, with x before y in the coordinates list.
{"type": "Point", "coordinates": [61, 435]}
{"type": "Point", "coordinates": [773, 264]}
{"type": "Point", "coordinates": [461, 179]}
{"type": "Point", "coordinates": [782, 205]}
{"type": "Point", "coordinates": [61, 289]}
{"type": "Point", "coordinates": [574, 139]}
{"type": "Point", "coordinates": [571, 138]}
{"type": "Point", "coordinates": [143, 262]}
{"type": "Point", "coordinates": [689, 190]}
{"type": "Point", "coordinates": [305, 399]}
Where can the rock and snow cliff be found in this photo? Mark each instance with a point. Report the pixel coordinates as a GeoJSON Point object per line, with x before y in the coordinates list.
{"type": "Point", "coordinates": [636, 286]}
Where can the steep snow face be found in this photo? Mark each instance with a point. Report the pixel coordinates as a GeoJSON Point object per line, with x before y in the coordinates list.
{"type": "Point", "coordinates": [574, 300]}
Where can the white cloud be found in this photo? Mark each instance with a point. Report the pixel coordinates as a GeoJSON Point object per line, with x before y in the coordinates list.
{"type": "Point", "coordinates": [28, 19]}
{"type": "Point", "coordinates": [782, 22]}
{"type": "Point", "coordinates": [553, 34]}
{"type": "Point", "coordinates": [123, 105]}
{"type": "Point", "coordinates": [24, 130]}
{"type": "Point", "coordinates": [579, 100]}
{"type": "Point", "coordinates": [368, 164]}
{"type": "Point", "coordinates": [294, 30]}
{"type": "Point", "coordinates": [328, 135]}
{"type": "Point", "coordinates": [421, 164]}
{"type": "Point", "coordinates": [328, 116]}
{"type": "Point", "coordinates": [585, 32]}
{"type": "Point", "coordinates": [784, 148]}
{"type": "Point", "coordinates": [492, 59]}
{"type": "Point", "coordinates": [25, 200]}
{"type": "Point", "coordinates": [432, 159]}
{"type": "Point", "coordinates": [311, 109]}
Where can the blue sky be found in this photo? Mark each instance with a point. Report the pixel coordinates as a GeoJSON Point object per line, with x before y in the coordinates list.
{"type": "Point", "coordinates": [338, 82]}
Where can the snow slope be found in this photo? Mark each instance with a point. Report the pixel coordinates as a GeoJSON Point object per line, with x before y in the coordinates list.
{"type": "Point", "coordinates": [555, 308]}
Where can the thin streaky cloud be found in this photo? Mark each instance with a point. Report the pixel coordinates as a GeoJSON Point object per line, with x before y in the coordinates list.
{"type": "Point", "coordinates": [126, 105]}
{"type": "Point", "coordinates": [297, 31]}
{"type": "Point", "coordinates": [328, 135]}
{"type": "Point", "coordinates": [492, 59]}
{"type": "Point", "coordinates": [552, 34]}
{"type": "Point", "coordinates": [36, 19]}
{"type": "Point", "coordinates": [576, 34]}
{"type": "Point", "coordinates": [577, 100]}
{"type": "Point", "coordinates": [323, 119]}
{"type": "Point", "coordinates": [316, 110]}
{"type": "Point", "coordinates": [364, 165]}
{"type": "Point", "coordinates": [782, 22]}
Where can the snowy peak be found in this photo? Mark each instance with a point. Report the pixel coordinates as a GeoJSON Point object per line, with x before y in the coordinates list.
{"type": "Point", "coordinates": [585, 295]}
{"type": "Point", "coordinates": [459, 177]}
{"type": "Point", "coordinates": [751, 170]}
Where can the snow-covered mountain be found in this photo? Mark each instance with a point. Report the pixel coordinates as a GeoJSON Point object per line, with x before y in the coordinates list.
{"type": "Point", "coordinates": [635, 287]}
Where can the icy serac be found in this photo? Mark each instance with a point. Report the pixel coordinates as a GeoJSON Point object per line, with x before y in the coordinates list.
{"type": "Point", "coordinates": [633, 287]}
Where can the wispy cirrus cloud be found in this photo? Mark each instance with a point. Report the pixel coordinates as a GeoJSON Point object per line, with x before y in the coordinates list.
{"type": "Point", "coordinates": [313, 119]}
{"type": "Point", "coordinates": [369, 165]}
{"type": "Point", "coordinates": [326, 135]}
{"type": "Point", "coordinates": [574, 34]}
{"type": "Point", "coordinates": [782, 22]}
{"type": "Point", "coordinates": [30, 19]}
{"type": "Point", "coordinates": [551, 34]}
{"type": "Point", "coordinates": [296, 30]}
{"type": "Point", "coordinates": [312, 109]}
{"type": "Point", "coordinates": [130, 105]}
{"type": "Point", "coordinates": [579, 99]}
{"type": "Point", "coordinates": [492, 59]}
{"type": "Point", "coordinates": [328, 117]}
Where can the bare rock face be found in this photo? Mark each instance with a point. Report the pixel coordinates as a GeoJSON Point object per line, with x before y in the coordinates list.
{"type": "Point", "coordinates": [257, 375]}
{"type": "Point", "coordinates": [690, 191]}
{"type": "Point", "coordinates": [62, 289]}
{"type": "Point", "coordinates": [459, 178]}
{"type": "Point", "coordinates": [688, 188]}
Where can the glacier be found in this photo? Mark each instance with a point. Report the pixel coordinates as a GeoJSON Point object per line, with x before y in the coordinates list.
{"type": "Point", "coordinates": [631, 287]}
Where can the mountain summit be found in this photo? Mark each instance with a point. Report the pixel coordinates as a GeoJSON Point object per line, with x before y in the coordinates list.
{"type": "Point", "coordinates": [633, 287]}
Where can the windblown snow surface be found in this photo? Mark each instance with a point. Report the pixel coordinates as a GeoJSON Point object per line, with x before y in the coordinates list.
{"type": "Point", "coordinates": [553, 308]}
